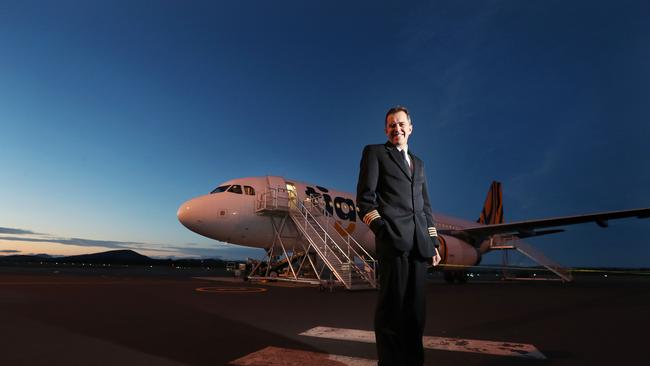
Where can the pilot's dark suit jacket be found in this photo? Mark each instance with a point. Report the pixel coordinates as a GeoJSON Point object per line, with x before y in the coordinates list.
{"type": "Point", "coordinates": [395, 202]}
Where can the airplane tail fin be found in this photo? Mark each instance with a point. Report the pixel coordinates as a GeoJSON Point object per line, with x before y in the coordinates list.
{"type": "Point", "coordinates": [493, 208]}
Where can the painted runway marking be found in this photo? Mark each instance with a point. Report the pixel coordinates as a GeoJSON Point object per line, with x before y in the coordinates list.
{"type": "Point", "coordinates": [276, 356]}
{"type": "Point", "coordinates": [231, 289]}
{"type": "Point", "coordinates": [438, 343]}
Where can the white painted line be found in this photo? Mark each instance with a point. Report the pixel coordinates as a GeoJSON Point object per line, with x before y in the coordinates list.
{"type": "Point", "coordinates": [276, 356]}
{"type": "Point", "coordinates": [438, 343]}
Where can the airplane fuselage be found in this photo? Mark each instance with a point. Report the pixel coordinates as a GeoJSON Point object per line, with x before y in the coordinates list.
{"type": "Point", "coordinates": [230, 214]}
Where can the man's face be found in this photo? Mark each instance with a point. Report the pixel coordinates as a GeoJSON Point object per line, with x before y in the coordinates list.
{"type": "Point", "coordinates": [398, 128]}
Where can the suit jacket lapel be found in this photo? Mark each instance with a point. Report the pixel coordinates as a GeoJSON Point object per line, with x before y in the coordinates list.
{"type": "Point", "coordinates": [396, 155]}
{"type": "Point", "coordinates": [416, 165]}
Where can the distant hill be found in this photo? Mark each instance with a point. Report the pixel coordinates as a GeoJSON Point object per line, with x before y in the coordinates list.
{"type": "Point", "coordinates": [19, 258]}
{"type": "Point", "coordinates": [114, 257]}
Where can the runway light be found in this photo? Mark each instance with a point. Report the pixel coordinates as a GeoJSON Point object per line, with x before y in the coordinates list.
{"type": "Point", "coordinates": [605, 275]}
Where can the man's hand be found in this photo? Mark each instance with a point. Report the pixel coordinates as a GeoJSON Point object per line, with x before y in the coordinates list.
{"type": "Point", "coordinates": [436, 258]}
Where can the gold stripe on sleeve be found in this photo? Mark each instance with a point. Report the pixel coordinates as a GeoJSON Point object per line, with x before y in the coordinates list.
{"type": "Point", "coordinates": [370, 216]}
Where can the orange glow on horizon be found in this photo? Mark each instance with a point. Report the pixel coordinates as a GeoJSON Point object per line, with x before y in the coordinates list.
{"type": "Point", "coordinates": [57, 249]}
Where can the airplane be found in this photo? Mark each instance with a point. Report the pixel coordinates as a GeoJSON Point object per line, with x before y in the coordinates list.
{"type": "Point", "coordinates": [234, 212]}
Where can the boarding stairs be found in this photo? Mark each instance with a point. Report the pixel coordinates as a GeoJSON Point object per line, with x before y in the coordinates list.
{"type": "Point", "coordinates": [513, 242]}
{"type": "Point", "coordinates": [345, 258]}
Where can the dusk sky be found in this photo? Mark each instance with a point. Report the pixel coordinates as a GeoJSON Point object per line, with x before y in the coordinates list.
{"type": "Point", "coordinates": [112, 113]}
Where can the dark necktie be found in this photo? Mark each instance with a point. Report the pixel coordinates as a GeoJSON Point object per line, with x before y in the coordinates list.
{"type": "Point", "coordinates": [410, 166]}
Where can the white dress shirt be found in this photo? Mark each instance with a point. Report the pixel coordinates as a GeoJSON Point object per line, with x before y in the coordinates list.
{"type": "Point", "coordinates": [406, 151]}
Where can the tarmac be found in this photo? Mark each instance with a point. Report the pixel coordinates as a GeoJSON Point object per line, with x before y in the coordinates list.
{"type": "Point", "coordinates": [161, 316]}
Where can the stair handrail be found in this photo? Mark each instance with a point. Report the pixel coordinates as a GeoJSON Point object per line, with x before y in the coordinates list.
{"type": "Point", "coordinates": [533, 254]}
{"type": "Point", "coordinates": [322, 210]}
{"type": "Point", "coordinates": [304, 212]}
{"type": "Point", "coordinates": [323, 253]}
{"type": "Point", "coordinates": [272, 200]}
{"type": "Point", "coordinates": [314, 203]}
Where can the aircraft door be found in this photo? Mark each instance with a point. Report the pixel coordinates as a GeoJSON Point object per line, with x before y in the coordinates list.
{"type": "Point", "coordinates": [275, 194]}
{"type": "Point", "coordinates": [275, 182]}
{"type": "Point", "coordinates": [293, 194]}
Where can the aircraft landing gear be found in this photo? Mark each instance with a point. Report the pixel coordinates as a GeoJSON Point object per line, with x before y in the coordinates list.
{"type": "Point", "coordinates": [456, 276]}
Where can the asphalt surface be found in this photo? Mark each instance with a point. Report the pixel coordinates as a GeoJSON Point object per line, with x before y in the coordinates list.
{"type": "Point", "coordinates": [79, 316]}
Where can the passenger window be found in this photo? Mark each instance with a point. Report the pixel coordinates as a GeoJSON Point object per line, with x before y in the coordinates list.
{"type": "Point", "coordinates": [249, 190]}
{"type": "Point", "coordinates": [220, 189]}
{"type": "Point", "coordinates": [235, 188]}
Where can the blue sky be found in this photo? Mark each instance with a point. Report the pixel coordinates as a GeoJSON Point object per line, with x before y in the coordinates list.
{"type": "Point", "coordinates": [114, 113]}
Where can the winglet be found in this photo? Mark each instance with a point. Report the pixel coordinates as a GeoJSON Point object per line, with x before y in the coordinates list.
{"type": "Point", "coordinates": [493, 208]}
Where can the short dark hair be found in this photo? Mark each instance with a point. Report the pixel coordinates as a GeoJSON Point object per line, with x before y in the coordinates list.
{"type": "Point", "coordinates": [396, 109]}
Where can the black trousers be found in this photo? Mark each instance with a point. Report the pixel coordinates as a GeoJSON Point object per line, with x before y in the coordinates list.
{"type": "Point", "coordinates": [401, 309]}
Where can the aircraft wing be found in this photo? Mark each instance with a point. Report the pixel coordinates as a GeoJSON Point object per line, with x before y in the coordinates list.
{"type": "Point", "coordinates": [530, 228]}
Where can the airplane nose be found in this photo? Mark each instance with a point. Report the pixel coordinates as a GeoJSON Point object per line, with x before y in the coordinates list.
{"type": "Point", "coordinates": [188, 216]}
{"type": "Point", "coordinates": [181, 213]}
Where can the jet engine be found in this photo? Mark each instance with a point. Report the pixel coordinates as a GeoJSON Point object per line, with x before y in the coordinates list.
{"type": "Point", "coordinates": [457, 252]}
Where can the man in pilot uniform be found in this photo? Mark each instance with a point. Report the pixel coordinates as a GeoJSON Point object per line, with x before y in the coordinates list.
{"type": "Point", "coordinates": [393, 200]}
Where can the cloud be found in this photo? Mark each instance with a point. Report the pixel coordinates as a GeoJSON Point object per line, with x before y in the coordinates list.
{"type": "Point", "coordinates": [29, 236]}
{"type": "Point", "coordinates": [219, 250]}
{"type": "Point", "coordinates": [8, 230]}
{"type": "Point", "coordinates": [73, 241]}
{"type": "Point", "coordinates": [9, 251]}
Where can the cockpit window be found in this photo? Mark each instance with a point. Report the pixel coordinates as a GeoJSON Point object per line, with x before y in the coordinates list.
{"type": "Point", "coordinates": [220, 189]}
{"type": "Point", "coordinates": [249, 190]}
{"type": "Point", "coordinates": [235, 188]}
